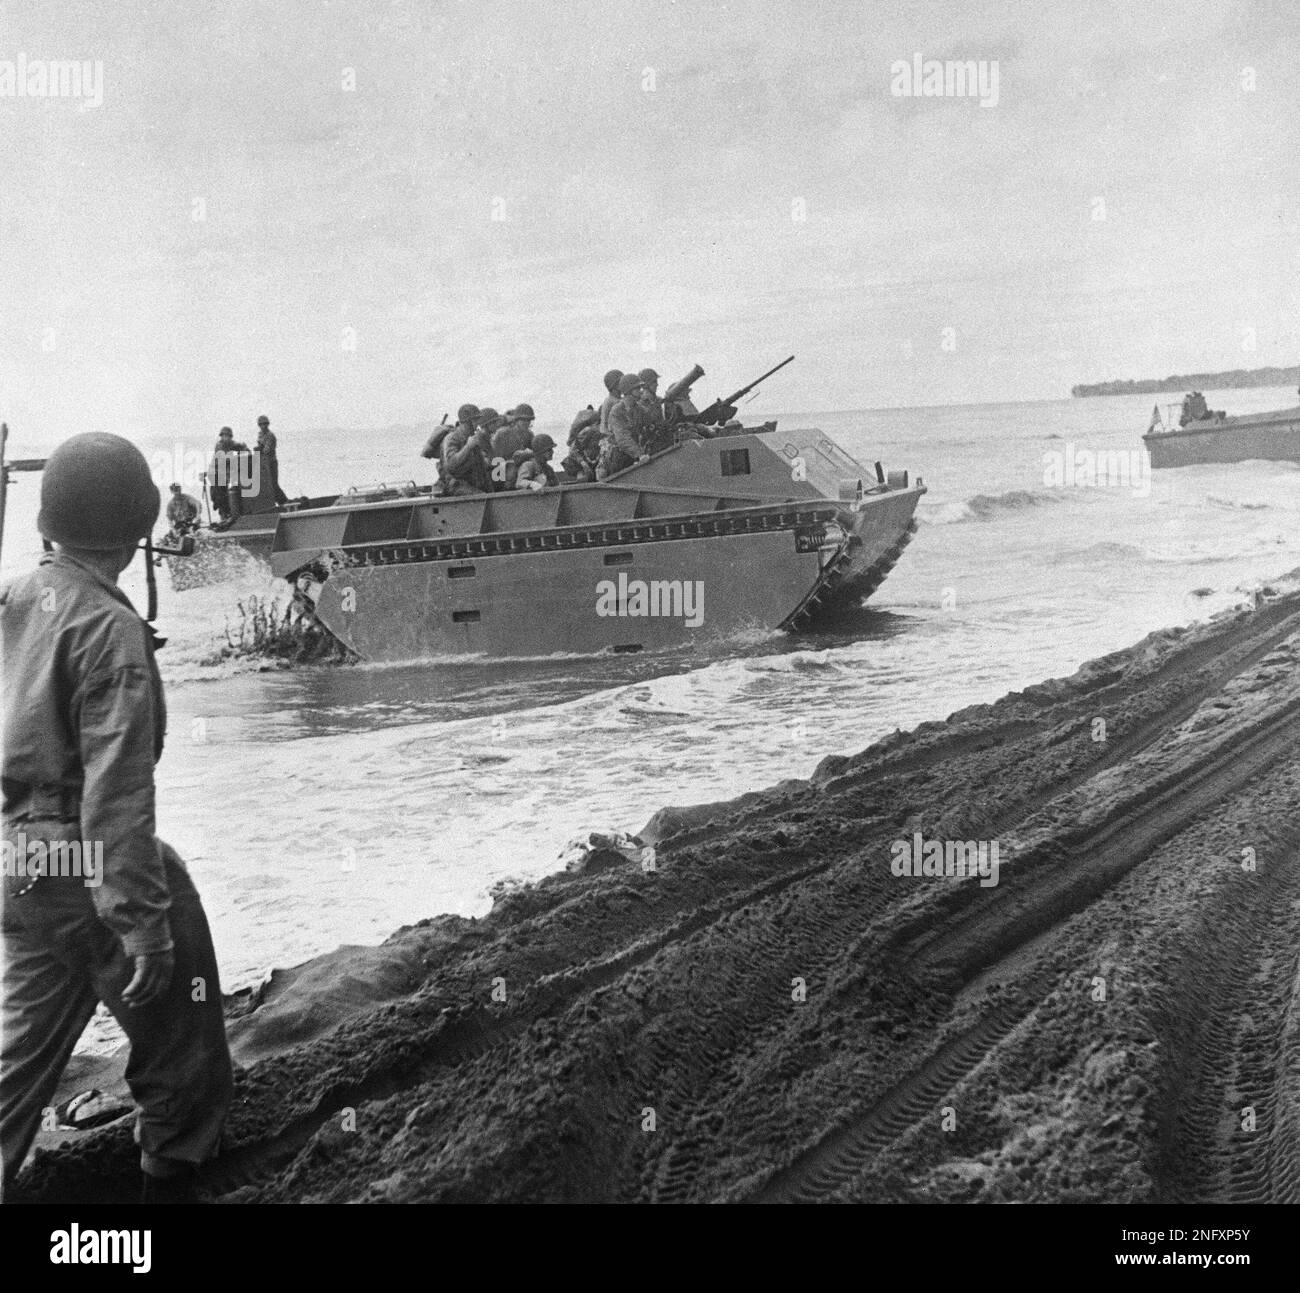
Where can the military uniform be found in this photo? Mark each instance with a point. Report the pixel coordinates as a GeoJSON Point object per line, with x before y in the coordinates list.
{"type": "Point", "coordinates": [464, 468]}
{"type": "Point", "coordinates": [627, 426]}
{"type": "Point", "coordinates": [510, 439]}
{"type": "Point", "coordinates": [225, 479]}
{"type": "Point", "coordinates": [606, 408]}
{"type": "Point", "coordinates": [268, 452]}
{"type": "Point", "coordinates": [84, 719]}
{"type": "Point", "coordinates": [536, 471]}
{"type": "Point", "coordinates": [182, 512]}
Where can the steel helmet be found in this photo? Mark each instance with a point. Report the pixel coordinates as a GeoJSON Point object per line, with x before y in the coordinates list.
{"type": "Point", "coordinates": [629, 384]}
{"type": "Point", "coordinates": [467, 413]}
{"type": "Point", "coordinates": [487, 415]}
{"type": "Point", "coordinates": [264, 421]}
{"type": "Point", "coordinates": [97, 493]}
{"type": "Point", "coordinates": [542, 442]}
{"type": "Point", "coordinates": [648, 375]}
{"type": "Point", "coordinates": [521, 413]}
{"type": "Point", "coordinates": [612, 379]}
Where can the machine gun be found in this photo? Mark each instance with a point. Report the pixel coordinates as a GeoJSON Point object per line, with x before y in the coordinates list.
{"type": "Point", "coordinates": [721, 411]}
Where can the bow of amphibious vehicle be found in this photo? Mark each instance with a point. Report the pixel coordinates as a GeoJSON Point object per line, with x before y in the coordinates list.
{"type": "Point", "coordinates": [750, 530]}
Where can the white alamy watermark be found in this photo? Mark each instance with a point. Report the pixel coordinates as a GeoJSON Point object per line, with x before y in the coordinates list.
{"type": "Point", "coordinates": [960, 859]}
{"type": "Point", "coordinates": [1075, 468]}
{"type": "Point", "coordinates": [35, 859]}
{"type": "Point", "coordinates": [53, 78]}
{"type": "Point", "coordinates": [661, 598]}
{"type": "Point", "coordinates": [75, 1246]}
{"type": "Point", "coordinates": [951, 78]}
{"type": "Point", "coordinates": [187, 467]}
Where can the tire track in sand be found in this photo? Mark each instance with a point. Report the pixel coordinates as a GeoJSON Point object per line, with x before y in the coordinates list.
{"type": "Point", "coordinates": [972, 944]}
{"type": "Point", "coordinates": [1234, 1134]}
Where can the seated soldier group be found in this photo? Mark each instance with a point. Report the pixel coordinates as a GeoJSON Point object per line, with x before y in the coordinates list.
{"type": "Point", "coordinates": [485, 452]}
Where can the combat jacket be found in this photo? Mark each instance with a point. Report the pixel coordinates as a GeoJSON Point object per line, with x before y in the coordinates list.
{"type": "Point", "coordinates": [627, 425]}
{"type": "Point", "coordinates": [83, 722]}
{"type": "Point", "coordinates": [181, 510]}
{"type": "Point", "coordinates": [605, 409]}
{"type": "Point", "coordinates": [536, 474]}
{"type": "Point", "coordinates": [463, 461]}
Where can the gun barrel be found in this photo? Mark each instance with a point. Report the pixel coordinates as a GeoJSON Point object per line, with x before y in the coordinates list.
{"type": "Point", "coordinates": [744, 390]}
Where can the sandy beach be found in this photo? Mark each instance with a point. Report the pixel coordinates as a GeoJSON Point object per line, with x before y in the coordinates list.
{"type": "Point", "coordinates": [771, 1013]}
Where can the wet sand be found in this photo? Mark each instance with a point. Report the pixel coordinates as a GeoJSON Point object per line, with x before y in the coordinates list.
{"type": "Point", "coordinates": [771, 1014]}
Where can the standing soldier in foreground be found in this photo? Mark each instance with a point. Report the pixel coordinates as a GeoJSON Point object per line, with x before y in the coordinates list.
{"type": "Point", "coordinates": [83, 722]}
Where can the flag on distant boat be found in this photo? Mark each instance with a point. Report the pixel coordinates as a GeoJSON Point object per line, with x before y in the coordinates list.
{"type": "Point", "coordinates": [1155, 418]}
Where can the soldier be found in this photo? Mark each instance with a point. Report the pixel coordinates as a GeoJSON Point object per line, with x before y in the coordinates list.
{"type": "Point", "coordinates": [655, 435]}
{"type": "Point", "coordinates": [433, 447]}
{"type": "Point", "coordinates": [217, 488]}
{"type": "Point", "coordinates": [627, 423]}
{"type": "Point", "coordinates": [230, 469]}
{"type": "Point", "coordinates": [584, 455]}
{"type": "Point", "coordinates": [581, 421]}
{"type": "Point", "coordinates": [612, 379]}
{"type": "Point", "coordinates": [270, 460]}
{"type": "Point", "coordinates": [516, 434]}
{"type": "Point", "coordinates": [84, 718]}
{"type": "Point", "coordinates": [537, 472]}
{"type": "Point", "coordinates": [182, 511]}
{"type": "Point", "coordinates": [467, 454]}
{"type": "Point", "coordinates": [650, 389]}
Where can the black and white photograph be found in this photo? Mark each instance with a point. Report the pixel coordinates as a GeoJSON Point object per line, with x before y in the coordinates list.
{"type": "Point", "coordinates": [659, 602]}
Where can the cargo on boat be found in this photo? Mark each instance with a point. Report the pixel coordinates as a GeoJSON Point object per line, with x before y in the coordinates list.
{"type": "Point", "coordinates": [751, 529]}
{"type": "Point", "coordinates": [1206, 436]}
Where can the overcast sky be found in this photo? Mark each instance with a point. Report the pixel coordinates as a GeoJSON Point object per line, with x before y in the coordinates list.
{"type": "Point", "coordinates": [650, 160]}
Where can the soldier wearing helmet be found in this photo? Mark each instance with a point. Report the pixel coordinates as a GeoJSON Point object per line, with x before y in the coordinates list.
{"type": "Point", "coordinates": [182, 511]}
{"type": "Point", "coordinates": [516, 434]}
{"type": "Point", "coordinates": [612, 379]}
{"type": "Point", "coordinates": [628, 425]}
{"type": "Point", "coordinates": [537, 472]}
{"type": "Point", "coordinates": [230, 469]}
{"type": "Point", "coordinates": [467, 453]}
{"type": "Point", "coordinates": [115, 919]}
{"type": "Point", "coordinates": [269, 459]}
{"type": "Point", "coordinates": [655, 435]}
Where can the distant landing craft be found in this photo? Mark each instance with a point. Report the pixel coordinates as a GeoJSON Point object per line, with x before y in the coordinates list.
{"type": "Point", "coordinates": [1206, 436]}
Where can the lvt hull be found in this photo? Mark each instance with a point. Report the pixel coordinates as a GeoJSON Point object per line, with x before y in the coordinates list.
{"type": "Point", "coordinates": [748, 532]}
{"type": "Point", "coordinates": [1262, 435]}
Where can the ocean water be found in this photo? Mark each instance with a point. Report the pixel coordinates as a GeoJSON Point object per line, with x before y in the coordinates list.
{"type": "Point", "coordinates": [331, 804]}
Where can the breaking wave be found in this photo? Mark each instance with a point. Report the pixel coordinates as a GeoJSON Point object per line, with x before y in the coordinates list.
{"type": "Point", "coordinates": [985, 507]}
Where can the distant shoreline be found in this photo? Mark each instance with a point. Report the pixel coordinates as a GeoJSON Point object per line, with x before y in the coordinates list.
{"type": "Point", "coordinates": [1237, 379]}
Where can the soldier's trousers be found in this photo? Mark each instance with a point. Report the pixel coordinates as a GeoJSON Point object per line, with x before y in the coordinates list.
{"type": "Point", "coordinates": [59, 960]}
